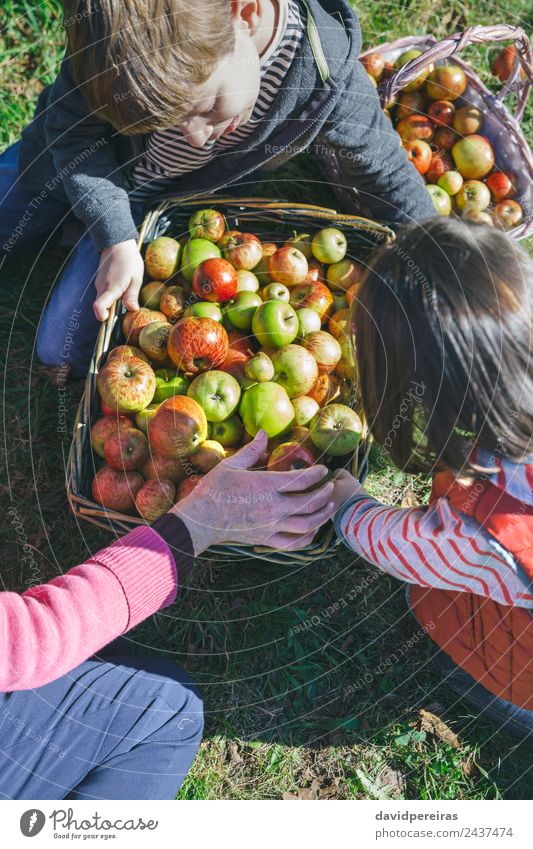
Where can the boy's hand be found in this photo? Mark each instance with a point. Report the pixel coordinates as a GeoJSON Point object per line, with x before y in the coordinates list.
{"type": "Point", "coordinates": [344, 486]}
{"type": "Point", "coordinates": [120, 272]}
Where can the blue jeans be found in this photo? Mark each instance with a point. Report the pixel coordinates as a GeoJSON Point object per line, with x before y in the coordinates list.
{"type": "Point", "coordinates": [116, 727]}
{"type": "Point", "coordinates": [68, 328]}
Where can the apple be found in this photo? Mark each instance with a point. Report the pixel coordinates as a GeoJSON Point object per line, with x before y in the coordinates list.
{"type": "Point", "coordinates": [316, 296]}
{"type": "Point", "coordinates": [197, 344]}
{"type": "Point", "coordinates": [309, 321]}
{"type": "Point", "coordinates": [155, 498]}
{"type": "Point", "coordinates": [169, 383]}
{"type": "Point", "coordinates": [246, 281]}
{"type": "Point", "coordinates": [204, 309]}
{"type": "Point", "coordinates": [104, 427]}
{"type": "Point", "coordinates": [217, 393]}
{"type": "Point", "coordinates": [473, 195]}
{"type": "Point", "coordinates": [502, 185]}
{"type": "Point", "coordinates": [446, 82]}
{"type": "Point", "coordinates": [153, 340]}
{"type": "Point", "coordinates": [336, 430]}
{"type": "Point", "coordinates": [241, 310]}
{"type": "Point", "coordinates": [347, 366]}
{"type": "Point", "coordinates": [242, 343]}
{"type": "Point", "coordinates": [295, 369]}
{"type": "Point", "coordinates": [126, 450]}
{"type": "Point", "coordinates": [476, 216]}
{"type": "Point", "coordinates": [243, 250]}
{"type": "Point", "coordinates": [150, 295]}
{"type": "Point", "coordinates": [340, 301]}
{"type": "Point", "coordinates": [305, 408]}
{"type": "Point", "coordinates": [315, 271]}
{"type": "Point", "coordinates": [275, 324]}
{"type": "Point", "coordinates": [195, 252]}
{"type": "Point", "coordinates": [261, 269]}
{"type": "Point", "coordinates": [507, 214]}
{"type": "Point", "coordinates": [441, 199]}
{"type": "Point", "coordinates": [290, 456]}
{"type": "Point", "coordinates": [402, 60]}
{"type": "Point", "coordinates": [161, 259]}
{"type": "Point", "coordinates": [325, 349]}
{"type": "Point", "coordinates": [227, 432]}
{"type": "Point", "coordinates": [178, 428]}
{"type": "Point", "coordinates": [214, 280]}
{"type": "Point", "coordinates": [209, 455]}
{"type": "Point", "coordinates": [116, 490]}
{"type": "Point", "coordinates": [444, 138]}
{"type": "Point", "coordinates": [275, 292]}
{"type": "Point", "coordinates": [339, 323]}
{"type": "Point", "coordinates": [259, 368]}
{"type": "Point", "coordinates": [126, 385]}
{"type": "Point", "coordinates": [172, 302]}
{"type": "Point", "coordinates": [373, 63]}
{"type": "Point", "coordinates": [144, 417]}
{"type": "Point", "coordinates": [329, 245]}
{"type": "Point", "coordinates": [420, 154]}
{"type": "Point", "coordinates": [207, 224]}
{"type": "Point", "coordinates": [187, 486]}
{"type": "Point", "coordinates": [415, 127]}
{"type": "Point", "coordinates": [288, 265]}
{"type": "Point", "coordinates": [473, 157]}
{"type": "Point", "coordinates": [341, 275]}
{"type": "Point", "coordinates": [441, 112]}
{"type": "Point", "coordinates": [441, 162]}
{"type": "Point", "coordinates": [163, 468]}
{"type": "Point", "coordinates": [134, 321]}
{"type": "Point", "coordinates": [125, 351]}
{"type": "Point", "coordinates": [266, 406]}
{"type": "Point", "coordinates": [450, 181]}
{"type": "Point", "coordinates": [502, 65]}
{"type": "Point", "coordinates": [467, 120]}
{"type": "Point", "coordinates": [352, 293]}
{"type": "Point", "coordinates": [302, 241]}
{"type": "Point", "coordinates": [410, 103]}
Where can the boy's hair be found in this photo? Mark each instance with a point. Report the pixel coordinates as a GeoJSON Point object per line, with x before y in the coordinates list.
{"type": "Point", "coordinates": [139, 63]}
{"type": "Point", "coordinates": [443, 335]}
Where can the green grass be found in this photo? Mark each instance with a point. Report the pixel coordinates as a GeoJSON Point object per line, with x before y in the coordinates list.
{"type": "Point", "coordinates": [285, 658]}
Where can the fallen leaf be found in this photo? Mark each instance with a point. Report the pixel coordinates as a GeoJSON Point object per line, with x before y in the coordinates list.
{"type": "Point", "coordinates": [391, 782]}
{"type": "Point", "coordinates": [433, 724]}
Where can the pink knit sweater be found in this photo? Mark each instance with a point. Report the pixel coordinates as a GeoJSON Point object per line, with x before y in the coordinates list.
{"type": "Point", "coordinates": [50, 629]}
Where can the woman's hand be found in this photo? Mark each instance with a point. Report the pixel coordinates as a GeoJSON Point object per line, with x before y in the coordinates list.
{"type": "Point", "coordinates": [120, 272]}
{"type": "Point", "coordinates": [235, 504]}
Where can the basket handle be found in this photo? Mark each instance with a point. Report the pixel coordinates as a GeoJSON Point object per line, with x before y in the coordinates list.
{"type": "Point", "coordinates": [455, 43]}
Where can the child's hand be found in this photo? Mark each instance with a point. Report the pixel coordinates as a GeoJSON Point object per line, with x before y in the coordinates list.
{"type": "Point", "coordinates": [344, 486]}
{"type": "Point", "coordinates": [120, 271]}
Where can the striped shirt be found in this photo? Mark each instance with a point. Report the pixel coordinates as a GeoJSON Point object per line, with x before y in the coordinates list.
{"type": "Point", "coordinates": [167, 154]}
{"type": "Point", "coordinates": [437, 546]}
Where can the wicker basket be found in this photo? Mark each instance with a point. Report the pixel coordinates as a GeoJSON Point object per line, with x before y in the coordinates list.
{"type": "Point", "coordinates": [269, 219]}
{"type": "Point", "coordinates": [501, 127]}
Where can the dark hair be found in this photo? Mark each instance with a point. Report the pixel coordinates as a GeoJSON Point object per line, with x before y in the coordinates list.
{"type": "Point", "coordinates": [443, 335]}
{"type": "Point", "coordinates": [139, 63]}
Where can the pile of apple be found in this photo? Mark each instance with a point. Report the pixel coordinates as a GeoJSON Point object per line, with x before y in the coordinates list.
{"type": "Point", "coordinates": [443, 136]}
{"type": "Point", "coordinates": [234, 335]}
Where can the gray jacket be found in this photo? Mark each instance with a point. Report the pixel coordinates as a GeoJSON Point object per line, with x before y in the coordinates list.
{"type": "Point", "coordinates": [327, 104]}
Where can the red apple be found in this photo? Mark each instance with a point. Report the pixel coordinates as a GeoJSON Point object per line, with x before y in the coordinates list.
{"type": "Point", "coordinates": [178, 428]}
{"type": "Point", "coordinates": [116, 490]}
{"type": "Point", "coordinates": [507, 214]}
{"type": "Point", "coordinates": [473, 195]}
{"type": "Point", "coordinates": [125, 351]}
{"type": "Point", "coordinates": [410, 103]}
{"type": "Point", "coordinates": [315, 271]}
{"type": "Point", "coordinates": [243, 250]}
{"type": "Point", "coordinates": [420, 154]}
{"type": "Point", "coordinates": [290, 456]}
{"type": "Point", "coordinates": [444, 138]}
{"type": "Point", "coordinates": [316, 296]}
{"type": "Point", "coordinates": [242, 343]}
{"type": "Point", "coordinates": [440, 163]}
{"type": "Point", "coordinates": [172, 302]}
{"type": "Point", "coordinates": [502, 185]}
{"type": "Point", "coordinates": [373, 63]}
{"type": "Point", "coordinates": [158, 467]}
{"type": "Point", "coordinates": [473, 156]}
{"type": "Point", "coordinates": [134, 321]}
{"type": "Point", "coordinates": [215, 280]}
{"type": "Point", "coordinates": [197, 344]}
{"type": "Point", "coordinates": [261, 269]}
{"type": "Point", "coordinates": [467, 120]}
{"type": "Point", "coordinates": [288, 266]}
{"type": "Point", "coordinates": [343, 274]}
{"type": "Point", "coordinates": [155, 498]}
{"type": "Point", "coordinates": [446, 82]}
{"type": "Point", "coordinates": [126, 385]}
{"type": "Point", "coordinates": [161, 259]}
{"type": "Point", "coordinates": [326, 389]}
{"type": "Point", "coordinates": [441, 112]}
{"type": "Point", "coordinates": [126, 450]}
{"type": "Point", "coordinates": [325, 349]}
{"type": "Point", "coordinates": [415, 127]}
{"type": "Point", "coordinates": [103, 428]}
{"type": "Point", "coordinates": [503, 64]}
{"type": "Point", "coordinates": [207, 224]}
{"type": "Point", "coordinates": [186, 487]}
{"type": "Point", "coordinates": [352, 292]}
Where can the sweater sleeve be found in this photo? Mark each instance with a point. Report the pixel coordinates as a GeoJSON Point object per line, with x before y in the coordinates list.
{"type": "Point", "coordinates": [50, 629]}
{"type": "Point", "coordinates": [83, 153]}
{"type": "Point", "coordinates": [432, 546]}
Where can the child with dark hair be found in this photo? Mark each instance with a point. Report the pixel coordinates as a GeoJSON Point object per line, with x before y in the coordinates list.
{"type": "Point", "coordinates": [443, 335]}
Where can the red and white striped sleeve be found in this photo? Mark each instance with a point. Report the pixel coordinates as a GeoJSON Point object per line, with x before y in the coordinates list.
{"type": "Point", "coordinates": [433, 546]}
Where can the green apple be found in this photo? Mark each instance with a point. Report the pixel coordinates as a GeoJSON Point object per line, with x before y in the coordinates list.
{"type": "Point", "coordinates": [266, 406]}
{"type": "Point", "coordinates": [217, 393]}
{"type": "Point", "coordinates": [259, 368]}
{"type": "Point", "coordinates": [304, 409]}
{"type": "Point", "coordinates": [240, 311]}
{"type": "Point", "coordinates": [295, 369]}
{"type": "Point", "coordinates": [246, 281]}
{"type": "Point", "coordinates": [227, 432]}
{"type": "Point", "coordinates": [308, 322]}
{"type": "Point", "coordinates": [144, 417]}
{"type": "Point", "coordinates": [329, 245]}
{"type": "Point", "coordinates": [169, 383]}
{"type": "Point", "coordinates": [336, 430]}
{"type": "Point", "coordinates": [204, 309]}
{"type": "Point", "coordinates": [274, 324]}
{"type": "Point", "coordinates": [150, 295]}
{"type": "Point", "coordinates": [194, 252]}
{"type": "Point", "coordinates": [441, 199]}
{"type": "Point", "coordinates": [275, 292]}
